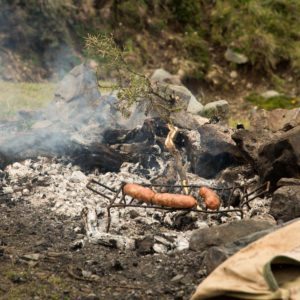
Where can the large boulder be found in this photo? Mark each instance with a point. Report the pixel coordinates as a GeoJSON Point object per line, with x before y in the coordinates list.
{"type": "Point", "coordinates": [192, 104]}
{"type": "Point", "coordinates": [280, 157]}
{"type": "Point", "coordinates": [161, 75]}
{"type": "Point", "coordinates": [285, 203]}
{"type": "Point", "coordinates": [273, 156]}
{"type": "Point", "coordinates": [205, 238]}
{"type": "Point", "coordinates": [275, 120]}
{"type": "Point", "coordinates": [186, 101]}
{"type": "Point", "coordinates": [210, 149]}
{"type": "Point", "coordinates": [80, 85]}
{"type": "Point", "coordinates": [215, 255]}
{"type": "Point", "coordinates": [249, 143]}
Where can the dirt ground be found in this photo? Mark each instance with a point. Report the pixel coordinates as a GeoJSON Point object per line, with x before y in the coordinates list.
{"type": "Point", "coordinates": [60, 271]}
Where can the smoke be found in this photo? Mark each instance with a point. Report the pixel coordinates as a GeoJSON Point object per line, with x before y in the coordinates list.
{"type": "Point", "coordinates": [78, 116]}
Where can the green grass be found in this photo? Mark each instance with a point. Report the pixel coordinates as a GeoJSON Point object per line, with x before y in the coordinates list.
{"type": "Point", "coordinates": [24, 96]}
{"type": "Point", "coordinates": [281, 101]}
{"type": "Point", "coordinates": [16, 96]}
{"type": "Point", "coordinates": [266, 31]}
{"type": "Point", "coordinates": [43, 286]}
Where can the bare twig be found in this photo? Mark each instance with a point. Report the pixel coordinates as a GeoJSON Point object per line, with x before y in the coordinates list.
{"type": "Point", "coordinates": [169, 143]}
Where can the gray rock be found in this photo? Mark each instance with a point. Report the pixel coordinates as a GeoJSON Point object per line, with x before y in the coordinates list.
{"type": "Point", "coordinates": [77, 244]}
{"type": "Point", "coordinates": [235, 57]}
{"type": "Point", "coordinates": [285, 203]}
{"type": "Point", "coordinates": [280, 157]}
{"type": "Point", "coordinates": [145, 245]}
{"type": "Point", "coordinates": [203, 239]}
{"type": "Point", "coordinates": [182, 243]}
{"type": "Point", "coordinates": [275, 120]}
{"type": "Point", "coordinates": [211, 150]}
{"type": "Point", "coordinates": [161, 75]}
{"type": "Point", "coordinates": [272, 156]}
{"type": "Point", "coordinates": [160, 248]}
{"type": "Point", "coordinates": [113, 241]}
{"type": "Point", "coordinates": [187, 120]}
{"type": "Point", "coordinates": [216, 108]}
{"type": "Point", "coordinates": [79, 84]}
{"type": "Point", "coordinates": [249, 142]}
{"type": "Point", "coordinates": [194, 106]}
{"type": "Point", "coordinates": [76, 97]}
{"type": "Point", "coordinates": [188, 101]}
{"type": "Point", "coordinates": [215, 255]}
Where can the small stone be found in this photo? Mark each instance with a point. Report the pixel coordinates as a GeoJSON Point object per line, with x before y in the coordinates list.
{"type": "Point", "coordinates": [92, 296]}
{"type": "Point", "coordinates": [17, 165]}
{"type": "Point", "coordinates": [177, 278]}
{"type": "Point", "coordinates": [7, 190]}
{"type": "Point", "coordinates": [76, 245]}
{"type": "Point", "coordinates": [133, 214]}
{"type": "Point", "coordinates": [233, 74]}
{"type": "Point", "coordinates": [26, 192]}
{"type": "Point", "coordinates": [27, 163]}
{"type": "Point", "coordinates": [201, 224]}
{"type": "Point", "coordinates": [78, 229]}
{"type": "Point", "coordinates": [182, 244]}
{"type": "Point", "coordinates": [202, 272]}
{"type": "Point", "coordinates": [149, 292]}
{"type": "Point", "coordinates": [145, 246]}
{"type": "Point", "coordinates": [161, 75]}
{"type": "Point", "coordinates": [270, 94]}
{"type": "Point", "coordinates": [160, 248]}
{"type": "Point", "coordinates": [53, 172]}
{"type": "Point", "coordinates": [235, 57]}
{"type": "Point", "coordinates": [214, 257]}
{"type": "Point", "coordinates": [33, 256]}
{"type": "Point", "coordinates": [78, 176]}
{"type": "Point", "coordinates": [249, 85]}
{"type": "Point", "coordinates": [216, 108]}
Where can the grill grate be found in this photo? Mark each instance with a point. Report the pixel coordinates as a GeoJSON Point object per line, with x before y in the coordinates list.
{"type": "Point", "coordinates": [120, 200]}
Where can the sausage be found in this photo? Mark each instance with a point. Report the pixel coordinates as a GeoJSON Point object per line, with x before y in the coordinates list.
{"type": "Point", "coordinates": [174, 200]}
{"type": "Point", "coordinates": [211, 199]}
{"type": "Point", "coordinates": [138, 192]}
{"type": "Point", "coordinates": [164, 199]}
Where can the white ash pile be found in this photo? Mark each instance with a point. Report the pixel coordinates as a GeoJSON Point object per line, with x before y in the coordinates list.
{"type": "Point", "coordinates": [62, 187]}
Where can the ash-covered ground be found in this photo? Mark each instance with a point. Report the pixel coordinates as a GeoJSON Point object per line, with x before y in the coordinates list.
{"type": "Point", "coordinates": [45, 250]}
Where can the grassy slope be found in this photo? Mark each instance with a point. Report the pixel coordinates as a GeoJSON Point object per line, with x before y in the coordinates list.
{"type": "Point", "coordinates": [189, 36]}
{"type": "Point", "coordinates": [19, 96]}
{"type": "Point", "coordinates": [16, 96]}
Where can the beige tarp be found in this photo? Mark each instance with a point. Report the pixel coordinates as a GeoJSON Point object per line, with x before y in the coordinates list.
{"type": "Point", "coordinates": [266, 269]}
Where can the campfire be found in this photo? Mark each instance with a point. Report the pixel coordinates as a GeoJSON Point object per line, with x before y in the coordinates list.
{"type": "Point", "coordinates": [82, 159]}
